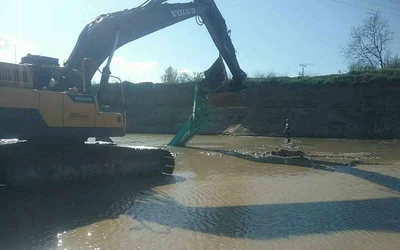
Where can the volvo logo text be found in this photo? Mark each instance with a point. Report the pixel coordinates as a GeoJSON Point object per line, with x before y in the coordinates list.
{"type": "Point", "coordinates": [184, 12]}
{"type": "Point", "coordinates": [83, 99]}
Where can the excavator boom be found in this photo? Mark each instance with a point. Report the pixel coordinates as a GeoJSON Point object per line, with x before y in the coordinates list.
{"type": "Point", "coordinates": [97, 40]}
{"type": "Point", "coordinates": [220, 34]}
{"type": "Point", "coordinates": [101, 37]}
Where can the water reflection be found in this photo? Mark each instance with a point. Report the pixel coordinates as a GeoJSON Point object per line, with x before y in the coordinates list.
{"type": "Point", "coordinates": [32, 220]}
{"type": "Point", "coordinates": [389, 182]}
{"type": "Point", "coordinates": [216, 201]}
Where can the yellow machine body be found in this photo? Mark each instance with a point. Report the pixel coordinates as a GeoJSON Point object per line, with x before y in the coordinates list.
{"type": "Point", "coordinates": [26, 112]}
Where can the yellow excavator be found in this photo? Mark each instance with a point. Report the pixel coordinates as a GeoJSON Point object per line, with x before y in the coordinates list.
{"type": "Point", "coordinates": [50, 107]}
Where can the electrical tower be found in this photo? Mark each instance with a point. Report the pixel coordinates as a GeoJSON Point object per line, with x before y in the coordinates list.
{"type": "Point", "coordinates": [303, 65]}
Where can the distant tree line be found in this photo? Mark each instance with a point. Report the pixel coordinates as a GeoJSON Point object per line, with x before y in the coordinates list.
{"type": "Point", "coordinates": [172, 76]}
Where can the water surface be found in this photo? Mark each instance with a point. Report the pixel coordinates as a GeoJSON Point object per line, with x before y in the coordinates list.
{"type": "Point", "coordinates": [223, 196]}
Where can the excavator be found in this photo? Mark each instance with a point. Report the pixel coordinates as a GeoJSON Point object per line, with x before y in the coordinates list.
{"type": "Point", "coordinates": [50, 110]}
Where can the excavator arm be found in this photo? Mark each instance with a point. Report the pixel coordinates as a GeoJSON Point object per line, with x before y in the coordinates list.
{"type": "Point", "coordinates": [108, 32]}
{"type": "Point", "coordinates": [216, 26]}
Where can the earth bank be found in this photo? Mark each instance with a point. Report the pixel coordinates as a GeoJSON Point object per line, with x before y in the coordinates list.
{"type": "Point", "coordinates": [357, 106]}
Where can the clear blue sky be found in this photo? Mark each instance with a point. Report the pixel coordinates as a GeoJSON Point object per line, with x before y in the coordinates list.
{"type": "Point", "coordinates": [269, 35]}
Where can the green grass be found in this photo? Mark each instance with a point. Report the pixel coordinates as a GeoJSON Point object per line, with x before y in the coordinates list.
{"type": "Point", "coordinates": [353, 78]}
{"type": "Point", "coordinates": [365, 77]}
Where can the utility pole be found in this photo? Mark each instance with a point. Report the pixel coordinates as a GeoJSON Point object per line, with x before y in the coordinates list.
{"type": "Point", "coordinates": [303, 65]}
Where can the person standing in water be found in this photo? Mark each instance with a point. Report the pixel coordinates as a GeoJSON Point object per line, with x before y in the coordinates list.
{"type": "Point", "coordinates": [287, 130]}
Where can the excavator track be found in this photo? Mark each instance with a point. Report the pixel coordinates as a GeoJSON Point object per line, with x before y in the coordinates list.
{"type": "Point", "coordinates": [25, 165]}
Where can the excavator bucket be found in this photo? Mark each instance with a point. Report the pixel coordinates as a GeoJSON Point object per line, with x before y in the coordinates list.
{"type": "Point", "coordinates": [218, 88]}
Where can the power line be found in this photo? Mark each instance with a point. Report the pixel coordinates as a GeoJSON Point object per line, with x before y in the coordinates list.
{"type": "Point", "coordinates": [358, 6]}
{"type": "Point", "coordinates": [393, 1]}
{"type": "Point", "coordinates": [378, 4]}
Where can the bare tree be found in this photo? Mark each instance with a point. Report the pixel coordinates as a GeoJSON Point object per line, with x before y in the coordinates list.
{"type": "Point", "coordinates": [170, 75]}
{"type": "Point", "coordinates": [259, 74]}
{"type": "Point", "coordinates": [393, 62]}
{"type": "Point", "coordinates": [184, 77]}
{"type": "Point", "coordinates": [369, 43]}
{"type": "Point", "coordinates": [197, 76]}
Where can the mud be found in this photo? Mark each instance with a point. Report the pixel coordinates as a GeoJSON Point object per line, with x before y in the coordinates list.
{"type": "Point", "coordinates": [291, 150]}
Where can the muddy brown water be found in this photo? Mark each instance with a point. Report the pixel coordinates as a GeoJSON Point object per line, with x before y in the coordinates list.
{"type": "Point", "coordinates": [226, 193]}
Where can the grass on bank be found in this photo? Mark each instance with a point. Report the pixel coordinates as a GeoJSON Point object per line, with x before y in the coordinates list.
{"type": "Point", "coordinates": [353, 78]}
{"type": "Point", "coordinates": [362, 77]}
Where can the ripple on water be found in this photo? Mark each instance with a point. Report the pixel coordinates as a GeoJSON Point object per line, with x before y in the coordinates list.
{"type": "Point", "coordinates": [215, 202]}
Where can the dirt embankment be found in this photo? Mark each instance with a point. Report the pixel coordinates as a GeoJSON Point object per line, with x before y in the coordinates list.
{"type": "Point", "coordinates": [331, 110]}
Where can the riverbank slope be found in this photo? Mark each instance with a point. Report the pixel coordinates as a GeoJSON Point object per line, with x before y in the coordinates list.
{"type": "Point", "coordinates": [363, 105]}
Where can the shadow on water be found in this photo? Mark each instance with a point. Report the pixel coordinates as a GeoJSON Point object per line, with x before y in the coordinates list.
{"type": "Point", "coordinates": [273, 221]}
{"type": "Point", "coordinates": [32, 220]}
{"type": "Point", "coordinates": [386, 181]}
